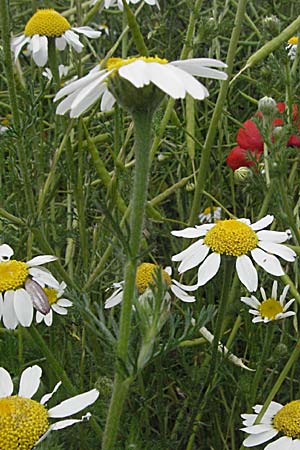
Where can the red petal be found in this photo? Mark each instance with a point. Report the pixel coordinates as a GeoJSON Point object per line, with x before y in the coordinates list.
{"type": "Point", "coordinates": [294, 141]}
{"type": "Point", "coordinates": [239, 157]}
{"type": "Point", "coordinates": [249, 137]}
{"type": "Point", "coordinates": [281, 107]}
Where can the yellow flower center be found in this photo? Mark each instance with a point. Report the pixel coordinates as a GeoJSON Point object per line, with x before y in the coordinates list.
{"type": "Point", "coordinates": [46, 22]}
{"type": "Point", "coordinates": [22, 422]}
{"type": "Point", "coordinates": [270, 308]}
{"type": "Point", "coordinates": [12, 275]}
{"type": "Point", "coordinates": [51, 294]}
{"type": "Point", "coordinates": [231, 237]}
{"type": "Point", "coordinates": [287, 420]}
{"type": "Point", "coordinates": [210, 210]}
{"type": "Point", "coordinates": [144, 276]}
{"type": "Point", "coordinates": [116, 63]}
{"type": "Point", "coordinates": [293, 40]}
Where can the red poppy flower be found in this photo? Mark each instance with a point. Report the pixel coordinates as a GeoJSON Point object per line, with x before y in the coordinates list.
{"type": "Point", "coordinates": [249, 137]}
{"type": "Point", "coordinates": [239, 157]}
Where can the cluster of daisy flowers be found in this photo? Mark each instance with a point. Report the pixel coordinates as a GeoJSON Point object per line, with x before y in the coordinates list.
{"type": "Point", "coordinates": [24, 422]}
{"type": "Point", "coordinates": [26, 287]}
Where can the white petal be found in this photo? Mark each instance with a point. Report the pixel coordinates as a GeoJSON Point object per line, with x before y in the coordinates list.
{"type": "Point", "coordinates": [9, 319]}
{"type": "Point", "coordinates": [74, 404]}
{"type": "Point", "coordinates": [59, 310]}
{"type": "Point", "coordinates": [23, 307]}
{"type": "Point", "coordinates": [78, 84]}
{"type": "Point", "coordinates": [209, 268]}
{"type": "Point", "coordinates": [60, 43]}
{"type": "Point", "coordinates": [186, 287]}
{"type": "Point", "coordinates": [64, 302]}
{"type": "Point", "coordinates": [195, 64]}
{"type": "Point", "coordinates": [289, 303]}
{"type": "Point", "coordinates": [114, 299]}
{"type": "Point", "coordinates": [247, 272]}
{"type": "Point", "coordinates": [136, 73]}
{"type": "Point", "coordinates": [90, 93]}
{"type": "Point", "coordinates": [273, 236]}
{"type": "Point", "coordinates": [251, 301]}
{"type": "Point", "coordinates": [166, 79]}
{"type": "Point", "coordinates": [192, 249]}
{"type": "Point", "coordinates": [39, 49]}
{"type": "Point", "coordinates": [189, 232]}
{"type": "Point", "coordinates": [182, 295]}
{"type": "Point", "coordinates": [30, 381]}
{"type": "Point", "coordinates": [191, 85]}
{"type": "Point", "coordinates": [263, 293]}
{"type": "Point", "coordinates": [39, 317]}
{"type": "Point", "coordinates": [168, 270]}
{"type": "Point", "coordinates": [87, 31]}
{"type": "Point", "coordinates": [283, 295]}
{"type": "Point", "coordinates": [257, 319]}
{"type": "Point", "coordinates": [278, 249]}
{"type": "Point", "coordinates": [66, 104]}
{"type": "Point", "coordinates": [1, 305]}
{"type": "Point", "coordinates": [262, 223]}
{"type": "Point", "coordinates": [283, 443]}
{"type": "Point", "coordinates": [286, 314]}
{"type": "Point", "coordinates": [249, 419]}
{"type": "Point", "coordinates": [48, 318]}
{"type": "Point", "coordinates": [107, 101]}
{"type": "Point", "coordinates": [47, 397]}
{"type": "Point", "coordinates": [73, 40]}
{"type": "Point", "coordinates": [43, 276]}
{"type": "Point", "coordinates": [6, 384]}
{"type": "Point", "coordinates": [257, 429]}
{"type": "Point", "coordinates": [18, 44]}
{"type": "Point", "coordinates": [193, 259]}
{"type": "Point", "coordinates": [40, 260]}
{"type": "Point", "coordinates": [256, 439]}
{"type": "Point", "coordinates": [6, 252]}
{"type": "Point", "coordinates": [274, 290]}
{"type": "Point", "coordinates": [268, 262]}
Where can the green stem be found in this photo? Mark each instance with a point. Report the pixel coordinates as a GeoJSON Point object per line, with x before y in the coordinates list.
{"type": "Point", "coordinates": [202, 174]}
{"type": "Point", "coordinates": [142, 126]}
{"type": "Point", "coordinates": [53, 61]}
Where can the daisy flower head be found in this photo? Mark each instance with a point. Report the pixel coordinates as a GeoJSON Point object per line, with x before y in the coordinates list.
{"type": "Point", "coordinates": [138, 82]}
{"type": "Point", "coordinates": [48, 24]}
{"type": "Point", "coordinates": [270, 308]}
{"type": "Point", "coordinates": [145, 276]}
{"type": "Point", "coordinates": [20, 287]}
{"type": "Point", "coordinates": [109, 3]}
{"type": "Point", "coordinates": [292, 47]}
{"type": "Point", "coordinates": [25, 422]}
{"type": "Point", "coordinates": [236, 238]}
{"type": "Point", "coordinates": [210, 214]}
{"type": "Point", "coordinates": [277, 419]}
{"type": "Point", "coordinates": [57, 302]}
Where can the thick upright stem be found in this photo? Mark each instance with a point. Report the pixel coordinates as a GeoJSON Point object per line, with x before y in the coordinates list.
{"type": "Point", "coordinates": [142, 125]}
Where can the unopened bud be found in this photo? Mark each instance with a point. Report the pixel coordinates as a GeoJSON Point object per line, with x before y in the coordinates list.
{"type": "Point", "coordinates": [272, 25]}
{"type": "Point", "coordinates": [242, 174]}
{"type": "Point", "coordinates": [267, 106]}
{"type": "Point", "coordinates": [190, 187]}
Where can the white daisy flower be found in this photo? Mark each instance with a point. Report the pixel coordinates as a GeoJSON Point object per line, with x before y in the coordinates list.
{"type": "Point", "coordinates": [277, 419]}
{"type": "Point", "coordinates": [144, 277]}
{"type": "Point", "coordinates": [3, 129]}
{"type": "Point", "coordinates": [109, 3]}
{"type": "Point", "coordinates": [49, 24]}
{"type": "Point", "coordinates": [57, 302]}
{"type": "Point", "coordinates": [234, 237]}
{"type": "Point", "coordinates": [25, 422]}
{"type": "Point", "coordinates": [175, 79]}
{"type": "Point", "coordinates": [20, 287]}
{"type": "Point", "coordinates": [292, 47]}
{"type": "Point", "coordinates": [270, 308]}
{"type": "Point", "coordinates": [210, 214]}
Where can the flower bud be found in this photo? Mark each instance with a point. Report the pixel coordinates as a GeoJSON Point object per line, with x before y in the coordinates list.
{"type": "Point", "coordinates": [267, 106]}
{"type": "Point", "coordinates": [242, 174]}
{"type": "Point", "coordinates": [271, 24]}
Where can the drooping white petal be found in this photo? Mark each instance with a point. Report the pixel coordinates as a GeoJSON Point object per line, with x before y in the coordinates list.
{"type": "Point", "coordinates": [247, 272]}
{"type": "Point", "coordinates": [18, 43]}
{"type": "Point", "coordinates": [91, 90]}
{"type": "Point", "coordinates": [73, 40]}
{"type": "Point", "coordinates": [107, 101]}
{"type": "Point", "coordinates": [6, 384]}
{"type": "Point", "coordinates": [166, 79]}
{"type": "Point", "coordinates": [186, 287]}
{"type": "Point", "coordinates": [209, 268]}
{"type": "Point", "coordinates": [262, 223]}
{"type": "Point", "coordinates": [181, 294]}
{"type": "Point", "coordinates": [278, 249]}
{"type": "Point", "coordinates": [87, 31]}
{"type": "Point", "coordinates": [39, 49]}
{"type": "Point", "coordinates": [256, 439]}
{"type": "Point", "coordinates": [273, 236]}
{"type": "Point", "coordinates": [6, 252]}
{"type": "Point", "coordinates": [66, 104]}
{"type": "Point", "coordinates": [194, 64]}
{"type": "Point", "coordinates": [78, 84]}
{"type": "Point", "coordinates": [47, 397]}
{"type": "Point", "coordinates": [283, 443]}
{"type": "Point", "coordinates": [193, 259]}
{"type": "Point", "coordinates": [268, 262]}
{"type": "Point", "coordinates": [191, 85]}
{"type": "Point", "coordinates": [23, 307]}
{"type": "Point", "coordinates": [114, 299]}
{"type": "Point", "coordinates": [88, 101]}
{"type": "Point", "coordinates": [9, 316]}
{"type": "Point", "coordinates": [74, 404]}
{"type": "Point", "coordinates": [60, 43]}
{"type": "Point", "coordinates": [251, 301]}
{"type": "Point", "coordinates": [40, 260]}
{"type": "Point", "coordinates": [189, 232]}
{"type": "Point", "coordinates": [30, 381]}
{"type": "Point", "coordinates": [136, 73]}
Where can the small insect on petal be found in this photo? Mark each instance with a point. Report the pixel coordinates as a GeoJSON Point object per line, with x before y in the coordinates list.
{"type": "Point", "coordinates": [38, 296]}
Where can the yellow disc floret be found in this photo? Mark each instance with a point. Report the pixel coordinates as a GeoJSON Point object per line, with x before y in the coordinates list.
{"type": "Point", "coordinates": [51, 294]}
{"type": "Point", "coordinates": [231, 237]}
{"type": "Point", "coordinates": [270, 308]}
{"type": "Point", "coordinates": [287, 420]}
{"type": "Point", "coordinates": [293, 40]}
{"type": "Point", "coordinates": [116, 63]}
{"type": "Point", "coordinates": [12, 274]}
{"type": "Point", "coordinates": [46, 22]}
{"type": "Point", "coordinates": [22, 422]}
{"type": "Point", "coordinates": [144, 276]}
